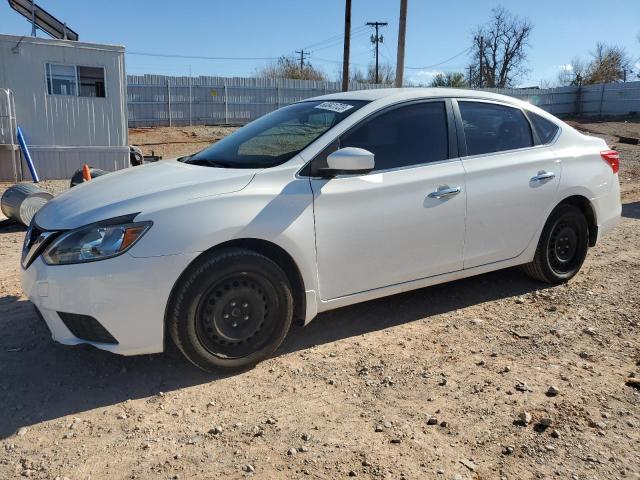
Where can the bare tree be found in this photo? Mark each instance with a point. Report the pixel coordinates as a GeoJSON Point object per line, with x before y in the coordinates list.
{"type": "Point", "coordinates": [501, 43]}
{"type": "Point", "coordinates": [573, 73]}
{"type": "Point", "coordinates": [386, 74]}
{"type": "Point", "coordinates": [450, 79]}
{"type": "Point", "coordinates": [545, 84]}
{"type": "Point", "coordinates": [287, 67]}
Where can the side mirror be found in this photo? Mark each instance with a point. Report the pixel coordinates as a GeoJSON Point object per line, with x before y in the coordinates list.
{"type": "Point", "coordinates": [350, 160]}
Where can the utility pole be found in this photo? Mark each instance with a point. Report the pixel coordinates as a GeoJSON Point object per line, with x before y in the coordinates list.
{"type": "Point", "coordinates": [302, 55]}
{"type": "Point", "coordinates": [377, 39]}
{"type": "Point", "coordinates": [469, 78]}
{"type": "Point", "coordinates": [347, 45]}
{"type": "Point", "coordinates": [33, 18]}
{"type": "Point", "coordinates": [480, 76]}
{"type": "Point", "coordinates": [402, 30]}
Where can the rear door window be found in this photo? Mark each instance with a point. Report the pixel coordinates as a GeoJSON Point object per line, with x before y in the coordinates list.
{"type": "Point", "coordinates": [491, 127]}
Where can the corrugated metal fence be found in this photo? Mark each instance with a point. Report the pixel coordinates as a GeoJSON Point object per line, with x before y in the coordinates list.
{"type": "Point", "coordinates": [158, 100]}
{"type": "Point", "coordinates": [164, 100]}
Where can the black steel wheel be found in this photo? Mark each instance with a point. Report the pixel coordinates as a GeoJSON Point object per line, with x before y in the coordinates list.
{"type": "Point", "coordinates": [230, 310]}
{"type": "Point", "coordinates": [562, 247]}
{"type": "Point", "coordinates": [233, 316]}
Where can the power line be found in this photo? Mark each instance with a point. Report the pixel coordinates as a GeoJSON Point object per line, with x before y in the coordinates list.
{"type": "Point", "coordinates": [195, 57]}
{"type": "Point", "coordinates": [339, 41]}
{"type": "Point", "coordinates": [336, 38]}
{"type": "Point", "coordinates": [338, 62]}
{"type": "Point", "coordinates": [326, 60]}
{"type": "Point", "coordinates": [466, 50]}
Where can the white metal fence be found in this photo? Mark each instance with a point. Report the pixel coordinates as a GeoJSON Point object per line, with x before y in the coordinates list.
{"type": "Point", "coordinates": [163, 100]}
{"type": "Point", "coordinates": [158, 100]}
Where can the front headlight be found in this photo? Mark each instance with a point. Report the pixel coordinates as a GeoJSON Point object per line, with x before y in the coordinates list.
{"type": "Point", "coordinates": [94, 242]}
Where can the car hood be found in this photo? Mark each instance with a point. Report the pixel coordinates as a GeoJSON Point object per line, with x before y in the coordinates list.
{"type": "Point", "coordinates": [146, 188]}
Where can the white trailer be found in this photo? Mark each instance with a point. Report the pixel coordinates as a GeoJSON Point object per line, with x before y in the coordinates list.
{"type": "Point", "coordinates": [70, 101]}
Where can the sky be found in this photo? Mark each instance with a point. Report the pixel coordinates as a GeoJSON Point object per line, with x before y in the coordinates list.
{"type": "Point", "coordinates": [257, 30]}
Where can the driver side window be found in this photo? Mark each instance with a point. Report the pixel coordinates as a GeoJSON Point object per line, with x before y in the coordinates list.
{"type": "Point", "coordinates": [399, 137]}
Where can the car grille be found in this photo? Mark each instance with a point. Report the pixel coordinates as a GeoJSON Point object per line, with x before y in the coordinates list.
{"type": "Point", "coordinates": [35, 241]}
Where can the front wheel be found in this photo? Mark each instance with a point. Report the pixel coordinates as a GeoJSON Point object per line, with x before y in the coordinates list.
{"type": "Point", "coordinates": [562, 247]}
{"type": "Point", "coordinates": [230, 310]}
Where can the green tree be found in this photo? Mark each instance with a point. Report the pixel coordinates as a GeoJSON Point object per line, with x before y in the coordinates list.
{"type": "Point", "coordinates": [288, 67]}
{"type": "Point", "coordinates": [450, 79]}
{"type": "Point", "coordinates": [608, 64]}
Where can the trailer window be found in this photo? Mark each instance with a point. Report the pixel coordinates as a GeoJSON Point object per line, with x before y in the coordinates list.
{"type": "Point", "coordinates": [62, 80]}
{"type": "Point", "coordinates": [91, 81]}
{"type": "Point", "coordinates": [75, 80]}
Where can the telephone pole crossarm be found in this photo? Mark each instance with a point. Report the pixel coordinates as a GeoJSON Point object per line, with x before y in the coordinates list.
{"type": "Point", "coordinates": [377, 39]}
{"type": "Point", "coordinates": [303, 54]}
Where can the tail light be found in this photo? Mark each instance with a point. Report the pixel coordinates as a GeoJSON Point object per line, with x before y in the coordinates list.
{"type": "Point", "coordinates": [612, 158]}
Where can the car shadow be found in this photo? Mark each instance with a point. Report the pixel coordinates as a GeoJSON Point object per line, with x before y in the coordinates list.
{"type": "Point", "coordinates": [41, 380]}
{"type": "Point", "coordinates": [408, 307]}
{"type": "Point", "coordinates": [10, 226]}
{"type": "Point", "coordinates": [631, 210]}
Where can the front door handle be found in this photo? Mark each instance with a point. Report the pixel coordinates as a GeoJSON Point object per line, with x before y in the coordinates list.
{"type": "Point", "coordinates": [445, 192]}
{"type": "Point", "coordinates": [542, 175]}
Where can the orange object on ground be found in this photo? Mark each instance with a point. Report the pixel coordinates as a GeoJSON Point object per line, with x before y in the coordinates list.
{"type": "Point", "coordinates": [86, 173]}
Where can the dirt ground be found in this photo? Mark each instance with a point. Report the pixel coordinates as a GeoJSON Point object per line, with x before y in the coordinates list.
{"type": "Point", "coordinates": [428, 384]}
{"type": "Point", "coordinates": [172, 142]}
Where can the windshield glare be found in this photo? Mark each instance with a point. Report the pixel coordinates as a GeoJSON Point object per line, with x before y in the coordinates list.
{"type": "Point", "coordinates": [276, 137]}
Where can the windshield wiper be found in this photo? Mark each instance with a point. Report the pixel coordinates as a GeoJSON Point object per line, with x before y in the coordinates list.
{"type": "Point", "coordinates": [209, 163]}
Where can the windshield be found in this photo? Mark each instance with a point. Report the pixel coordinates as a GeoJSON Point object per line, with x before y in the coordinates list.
{"type": "Point", "coordinates": [275, 138]}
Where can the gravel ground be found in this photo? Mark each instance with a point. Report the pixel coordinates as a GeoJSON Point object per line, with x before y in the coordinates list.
{"type": "Point", "coordinates": [495, 376]}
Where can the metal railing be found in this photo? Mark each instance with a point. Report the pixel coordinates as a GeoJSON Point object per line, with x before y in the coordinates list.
{"type": "Point", "coordinates": [9, 153]}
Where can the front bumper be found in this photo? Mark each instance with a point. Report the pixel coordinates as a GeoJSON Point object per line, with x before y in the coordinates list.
{"type": "Point", "coordinates": [127, 295]}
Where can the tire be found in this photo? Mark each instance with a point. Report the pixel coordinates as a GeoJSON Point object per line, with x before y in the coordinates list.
{"type": "Point", "coordinates": [136, 157]}
{"type": "Point", "coordinates": [230, 310]}
{"type": "Point", "coordinates": [562, 247]}
{"type": "Point", "coordinates": [77, 177]}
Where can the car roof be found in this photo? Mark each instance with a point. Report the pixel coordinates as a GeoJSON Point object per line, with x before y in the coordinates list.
{"type": "Point", "coordinates": [391, 94]}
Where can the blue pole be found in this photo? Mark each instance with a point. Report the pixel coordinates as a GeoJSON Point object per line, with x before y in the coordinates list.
{"type": "Point", "coordinates": [27, 156]}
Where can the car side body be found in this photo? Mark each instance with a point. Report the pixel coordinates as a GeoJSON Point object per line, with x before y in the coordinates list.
{"type": "Point", "coordinates": [341, 239]}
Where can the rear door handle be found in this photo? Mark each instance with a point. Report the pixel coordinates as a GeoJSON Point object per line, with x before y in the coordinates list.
{"type": "Point", "coordinates": [445, 192]}
{"type": "Point", "coordinates": [541, 176]}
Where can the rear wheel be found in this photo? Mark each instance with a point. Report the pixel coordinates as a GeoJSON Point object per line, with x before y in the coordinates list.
{"type": "Point", "coordinates": [230, 310]}
{"type": "Point", "coordinates": [562, 247]}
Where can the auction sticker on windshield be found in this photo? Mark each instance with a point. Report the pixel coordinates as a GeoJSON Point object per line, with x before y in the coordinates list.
{"type": "Point", "coordinates": [334, 106]}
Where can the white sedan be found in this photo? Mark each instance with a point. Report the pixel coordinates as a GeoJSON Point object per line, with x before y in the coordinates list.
{"type": "Point", "coordinates": [327, 202]}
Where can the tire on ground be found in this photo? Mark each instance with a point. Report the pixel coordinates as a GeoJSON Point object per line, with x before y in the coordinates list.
{"type": "Point", "coordinates": [547, 268]}
{"type": "Point", "coordinates": [77, 177]}
{"type": "Point", "coordinates": [203, 296]}
{"type": "Point", "coordinates": [136, 157]}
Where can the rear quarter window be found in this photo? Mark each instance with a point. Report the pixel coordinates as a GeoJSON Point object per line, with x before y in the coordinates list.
{"type": "Point", "coordinates": [546, 129]}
